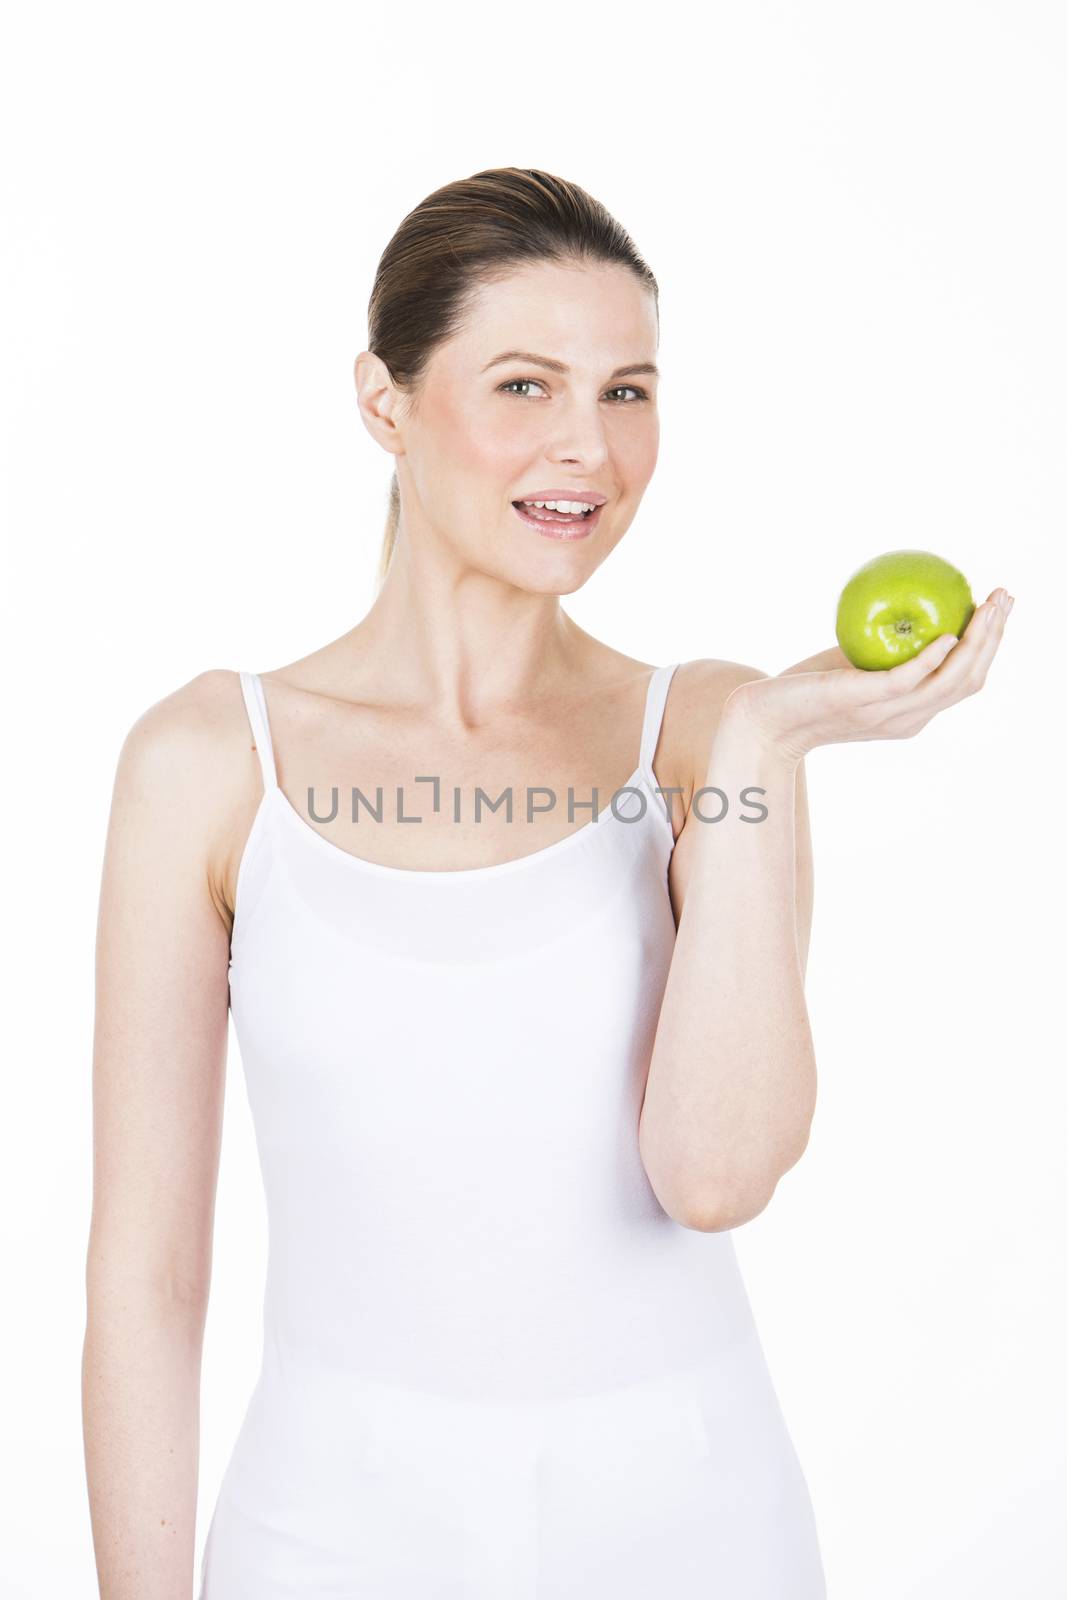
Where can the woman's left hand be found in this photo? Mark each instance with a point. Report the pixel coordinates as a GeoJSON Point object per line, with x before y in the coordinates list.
{"type": "Point", "coordinates": [826, 700]}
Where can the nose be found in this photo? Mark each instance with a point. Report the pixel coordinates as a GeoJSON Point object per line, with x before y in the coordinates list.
{"type": "Point", "coordinates": [582, 446]}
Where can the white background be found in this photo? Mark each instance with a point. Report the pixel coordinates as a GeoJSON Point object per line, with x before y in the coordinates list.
{"type": "Point", "coordinates": [856, 216]}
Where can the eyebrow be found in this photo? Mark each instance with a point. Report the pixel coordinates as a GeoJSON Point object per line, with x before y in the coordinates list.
{"type": "Point", "coordinates": [558, 366]}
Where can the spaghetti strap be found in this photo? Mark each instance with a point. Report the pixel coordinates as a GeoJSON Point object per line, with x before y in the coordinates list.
{"type": "Point", "coordinates": [655, 704]}
{"type": "Point", "coordinates": [256, 707]}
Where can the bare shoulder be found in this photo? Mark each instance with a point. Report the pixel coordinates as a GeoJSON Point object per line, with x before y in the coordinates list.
{"type": "Point", "coordinates": [183, 741]}
{"type": "Point", "coordinates": [699, 691]}
{"type": "Point", "coordinates": [186, 777]}
{"type": "Point", "coordinates": [162, 990]}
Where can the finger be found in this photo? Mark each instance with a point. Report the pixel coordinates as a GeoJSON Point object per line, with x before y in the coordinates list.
{"type": "Point", "coordinates": [908, 675]}
{"type": "Point", "coordinates": [973, 650]}
{"type": "Point", "coordinates": [967, 665]}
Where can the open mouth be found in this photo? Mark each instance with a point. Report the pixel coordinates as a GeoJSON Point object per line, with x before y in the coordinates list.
{"type": "Point", "coordinates": [557, 524]}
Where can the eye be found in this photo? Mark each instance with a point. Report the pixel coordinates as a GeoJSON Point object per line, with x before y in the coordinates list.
{"type": "Point", "coordinates": [516, 383]}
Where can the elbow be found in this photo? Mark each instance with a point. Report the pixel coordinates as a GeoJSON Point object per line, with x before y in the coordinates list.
{"type": "Point", "coordinates": [730, 1205]}
{"type": "Point", "coordinates": [720, 1212]}
{"type": "Point", "coordinates": [730, 1200]}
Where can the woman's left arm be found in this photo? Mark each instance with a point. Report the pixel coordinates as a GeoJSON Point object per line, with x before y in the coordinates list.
{"type": "Point", "coordinates": [731, 1085]}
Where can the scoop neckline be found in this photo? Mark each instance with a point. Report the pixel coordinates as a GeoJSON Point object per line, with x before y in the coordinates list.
{"type": "Point", "coordinates": [453, 874]}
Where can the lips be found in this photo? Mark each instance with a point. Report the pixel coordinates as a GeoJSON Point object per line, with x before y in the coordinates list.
{"type": "Point", "coordinates": [556, 527]}
{"type": "Point", "coordinates": [589, 497]}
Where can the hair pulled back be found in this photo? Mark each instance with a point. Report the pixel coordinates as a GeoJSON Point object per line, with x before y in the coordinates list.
{"type": "Point", "coordinates": [461, 237]}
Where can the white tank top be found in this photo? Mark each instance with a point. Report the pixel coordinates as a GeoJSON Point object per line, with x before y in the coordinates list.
{"type": "Point", "coordinates": [445, 1071]}
{"type": "Point", "coordinates": [493, 1367]}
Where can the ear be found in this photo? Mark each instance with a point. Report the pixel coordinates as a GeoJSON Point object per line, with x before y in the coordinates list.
{"type": "Point", "coordinates": [379, 401]}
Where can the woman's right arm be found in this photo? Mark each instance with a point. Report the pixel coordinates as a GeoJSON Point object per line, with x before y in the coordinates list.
{"type": "Point", "coordinates": [159, 1059]}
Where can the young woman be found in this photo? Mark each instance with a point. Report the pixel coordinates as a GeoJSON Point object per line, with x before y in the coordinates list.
{"type": "Point", "coordinates": [515, 1072]}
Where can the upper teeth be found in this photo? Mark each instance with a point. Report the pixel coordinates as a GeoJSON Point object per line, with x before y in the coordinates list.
{"type": "Point", "coordinates": [560, 505]}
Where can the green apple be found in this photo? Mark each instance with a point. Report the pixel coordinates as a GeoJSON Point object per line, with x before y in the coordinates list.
{"type": "Point", "coordinates": [897, 604]}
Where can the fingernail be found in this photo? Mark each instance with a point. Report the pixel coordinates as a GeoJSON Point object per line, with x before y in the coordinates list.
{"type": "Point", "coordinates": [992, 614]}
{"type": "Point", "coordinates": [1011, 602]}
{"type": "Point", "coordinates": [1003, 602]}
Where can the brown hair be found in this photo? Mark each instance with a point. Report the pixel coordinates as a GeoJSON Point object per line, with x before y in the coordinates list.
{"type": "Point", "coordinates": [466, 234]}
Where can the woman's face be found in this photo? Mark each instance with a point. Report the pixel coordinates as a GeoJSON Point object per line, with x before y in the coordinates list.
{"type": "Point", "coordinates": [485, 432]}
